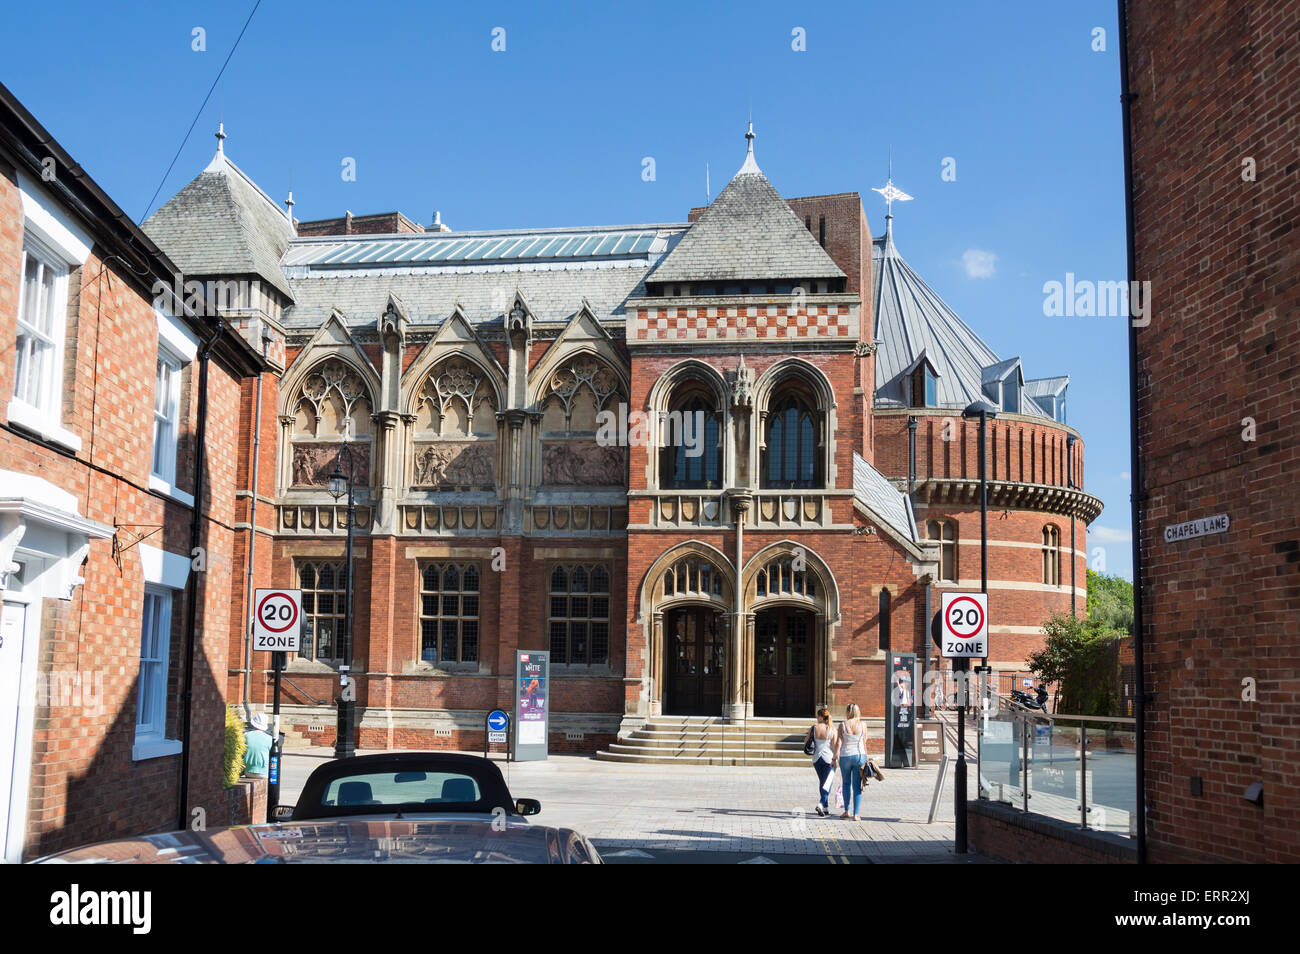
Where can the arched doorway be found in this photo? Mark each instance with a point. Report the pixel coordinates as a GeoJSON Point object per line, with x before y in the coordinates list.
{"type": "Point", "coordinates": [792, 608]}
{"type": "Point", "coordinates": [688, 605]}
{"type": "Point", "coordinates": [695, 647]}
{"type": "Point", "coordinates": [783, 670]}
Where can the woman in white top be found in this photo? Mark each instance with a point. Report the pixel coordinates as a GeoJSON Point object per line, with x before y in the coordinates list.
{"type": "Point", "coordinates": [822, 734]}
{"type": "Point", "coordinates": [850, 756]}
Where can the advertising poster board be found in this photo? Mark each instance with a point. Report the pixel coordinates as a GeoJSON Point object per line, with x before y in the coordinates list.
{"type": "Point", "coordinates": [532, 704]}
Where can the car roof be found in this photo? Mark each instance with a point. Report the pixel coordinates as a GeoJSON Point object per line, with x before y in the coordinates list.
{"type": "Point", "coordinates": [493, 792]}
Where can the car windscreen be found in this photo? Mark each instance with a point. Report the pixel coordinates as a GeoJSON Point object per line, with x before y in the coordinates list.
{"type": "Point", "coordinates": [376, 789]}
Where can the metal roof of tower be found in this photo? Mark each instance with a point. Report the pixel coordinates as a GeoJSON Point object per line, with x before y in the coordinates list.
{"type": "Point", "coordinates": [748, 233]}
{"type": "Point", "coordinates": [911, 321]}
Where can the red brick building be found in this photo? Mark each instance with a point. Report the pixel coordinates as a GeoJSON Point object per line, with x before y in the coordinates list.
{"type": "Point", "coordinates": [1215, 196]}
{"type": "Point", "coordinates": [101, 398]}
{"type": "Point", "coordinates": [509, 404]}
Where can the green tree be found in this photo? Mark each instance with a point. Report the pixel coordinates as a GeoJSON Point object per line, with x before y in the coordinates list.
{"type": "Point", "coordinates": [1110, 601]}
{"type": "Point", "coordinates": [1081, 658]}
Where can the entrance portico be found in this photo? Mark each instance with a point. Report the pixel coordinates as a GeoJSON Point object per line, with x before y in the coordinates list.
{"type": "Point", "coordinates": [770, 659]}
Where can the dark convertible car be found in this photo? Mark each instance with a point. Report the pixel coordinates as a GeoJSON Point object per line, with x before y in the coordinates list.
{"type": "Point", "coordinates": [401, 807]}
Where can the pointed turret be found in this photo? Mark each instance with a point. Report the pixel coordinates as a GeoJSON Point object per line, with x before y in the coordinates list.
{"type": "Point", "coordinates": [222, 225]}
{"type": "Point", "coordinates": [748, 233]}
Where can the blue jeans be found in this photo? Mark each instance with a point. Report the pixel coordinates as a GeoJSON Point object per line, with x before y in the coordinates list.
{"type": "Point", "coordinates": [823, 768]}
{"type": "Point", "coordinates": [851, 775]}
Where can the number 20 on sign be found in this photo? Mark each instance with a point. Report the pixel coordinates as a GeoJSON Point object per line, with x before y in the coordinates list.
{"type": "Point", "coordinates": [277, 620]}
{"type": "Point", "coordinates": [965, 628]}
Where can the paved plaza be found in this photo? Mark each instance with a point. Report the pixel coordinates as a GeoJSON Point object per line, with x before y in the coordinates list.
{"type": "Point", "coordinates": [719, 813]}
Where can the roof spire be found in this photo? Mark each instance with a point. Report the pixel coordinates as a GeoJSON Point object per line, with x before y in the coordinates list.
{"type": "Point", "coordinates": [750, 167]}
{"type": "Point", "coordinates": [221, 138]}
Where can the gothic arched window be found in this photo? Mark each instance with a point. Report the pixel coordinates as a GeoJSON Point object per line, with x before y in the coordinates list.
{"type": "Point", "coordinates": [793, 446]}
{"type": "Point", "coordinates": [455, 428]}
{"type": "Point", "coordinates": [945, 531]}
{"type": "Point", "coordinates": [1051, 555]}
{"type": "Point", "coordinates": [690, 434]}
{"type": "Point", "coordinates": [331, 410]}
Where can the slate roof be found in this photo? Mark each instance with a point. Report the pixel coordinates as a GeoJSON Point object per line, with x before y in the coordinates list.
{"type": "Point", "coordinates": [911, 320]}
{"type": "Point", "coordinates": [221, 223]}
{"type": "Point", "coordinates": [748, 233]}
{"type": "Point", "coordinates": [554, 270]}
{"type": "Point", "coordinates": [552, 295]}
{"type": "Point", "coordinates": [883, 499]}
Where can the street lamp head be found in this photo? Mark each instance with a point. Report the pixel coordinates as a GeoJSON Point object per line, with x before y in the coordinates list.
{"type": "Point", "coordinates": [338, 485]}
{"type": "Point", "coordinates": [979, 409]}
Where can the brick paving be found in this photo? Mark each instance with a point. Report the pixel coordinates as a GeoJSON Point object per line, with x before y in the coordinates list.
{"type": "Point", "coordinates": [723, 809]}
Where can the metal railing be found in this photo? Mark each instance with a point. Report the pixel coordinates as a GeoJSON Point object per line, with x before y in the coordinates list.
{"type": "Point", "coordinates": [1080, 769]}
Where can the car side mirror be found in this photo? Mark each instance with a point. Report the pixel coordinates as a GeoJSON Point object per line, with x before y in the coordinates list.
{"type": "Point", "coordinates": [528, 806]}
{"type": "Point", "coordinates": [283, 813]}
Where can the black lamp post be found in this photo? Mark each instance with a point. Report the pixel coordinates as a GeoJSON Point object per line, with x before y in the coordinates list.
{"type": "Point", "coordinates": [344, 747]}
{"type": "Point", "coordinates": [982, 411]}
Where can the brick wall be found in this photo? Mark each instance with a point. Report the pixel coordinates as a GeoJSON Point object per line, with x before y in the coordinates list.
{"type": "Point", "coordinates": [84, 784]}
{"type": "Point", "coordinates": [1215, 86]}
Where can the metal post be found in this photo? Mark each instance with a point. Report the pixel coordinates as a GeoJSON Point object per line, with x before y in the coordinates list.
{"type": "Point", "coordinates": [344, 745]}
{"type": "Point", "coordinates": [1024, 760]}
{"type": "Point", "coordinates": [959, 777]}
{"type": "Point", "coordinates": [1083, 774]}
{"type": "Point", "coordinates": [273, 769]}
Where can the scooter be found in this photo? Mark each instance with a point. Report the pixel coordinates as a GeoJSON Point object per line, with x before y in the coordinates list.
{"type": "Point", "coordinates": [1037, 701]}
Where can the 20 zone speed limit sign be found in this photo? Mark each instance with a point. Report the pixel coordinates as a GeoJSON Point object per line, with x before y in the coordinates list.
{"type": "Point", "coordinates": [965, 629]}
{"type": "Point", "coordinates": [277, 620]}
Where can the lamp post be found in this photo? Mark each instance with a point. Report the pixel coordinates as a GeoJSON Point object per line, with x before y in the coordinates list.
{"type": "Point", "coordinates": [339, 485]}
{"type": "Point", "coordinates": [981, 411]}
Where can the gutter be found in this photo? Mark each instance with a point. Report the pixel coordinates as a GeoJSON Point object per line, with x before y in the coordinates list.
{"type": "Point", "coordinates": [192, 584]}
{"type": "Point", "coordinates": [252, 548]}
{"type": "Point", "coordinates": [1136, 495]}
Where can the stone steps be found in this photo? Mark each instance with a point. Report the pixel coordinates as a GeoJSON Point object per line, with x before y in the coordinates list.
{"type": "Point", "coordinates": [696, 740]}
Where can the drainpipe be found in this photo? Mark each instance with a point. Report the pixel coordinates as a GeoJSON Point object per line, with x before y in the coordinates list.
{"type": "Point", "coordinates": [192, 584]}
{"type": "Point", "coordinates": [1137, 497]}
{"type": "Point", "coordinates": [1069, 480]}
{"type": "Point", "coordinates": [911, 454]}
{"type": "Point", "coordinates": [252, 549]}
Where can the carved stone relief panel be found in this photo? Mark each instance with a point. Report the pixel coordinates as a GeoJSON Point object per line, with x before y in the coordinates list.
{"type": "Point", "coordinates": [313, 463]}
{"type": "Point", "coordinates": [469, 465]}
{"type": "Point", "coordinates": [583, 464]}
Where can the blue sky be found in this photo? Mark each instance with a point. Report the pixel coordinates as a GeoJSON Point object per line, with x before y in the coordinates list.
{"type": "Point", "coordinates": [554, 130]}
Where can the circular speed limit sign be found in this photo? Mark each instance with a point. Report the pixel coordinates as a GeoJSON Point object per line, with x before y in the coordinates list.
{"type": "Point", "coordinates": [277, 620]}
{"type": "Point", "coordinates": [965, 625]}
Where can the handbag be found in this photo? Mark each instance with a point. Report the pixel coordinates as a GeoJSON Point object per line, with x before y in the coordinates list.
{"type": "Point", "coordinates": [875, 770]}
{"type": "Point", "coordinates": [809, 745]}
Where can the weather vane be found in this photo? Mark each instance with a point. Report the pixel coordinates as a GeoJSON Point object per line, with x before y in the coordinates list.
{"type": "Point", "coordinates": [890, 192]}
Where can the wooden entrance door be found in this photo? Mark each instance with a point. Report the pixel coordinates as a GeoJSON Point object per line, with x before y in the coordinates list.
{"type": "Point", "coordinates": [695, 651]}
{"type": "Point", "coordinates": [783, 662]}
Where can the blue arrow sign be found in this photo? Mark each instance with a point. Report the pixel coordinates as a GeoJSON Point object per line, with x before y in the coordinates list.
{"type": "Point", "coordinates": [498, 720]}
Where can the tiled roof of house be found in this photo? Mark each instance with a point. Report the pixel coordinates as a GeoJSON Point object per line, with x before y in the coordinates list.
{"type": "Point", "coordinates": [221, 223]}
{"type": "Point", "coordinates": [748, 233]}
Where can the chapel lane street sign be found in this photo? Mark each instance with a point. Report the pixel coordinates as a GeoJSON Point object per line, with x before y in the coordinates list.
{"type": "Point", "coordinates": [964, 626]}
{"type": "Point", "coordinates": [277, 620]}
{"type": "Point", "coordinates": [1196, 528]}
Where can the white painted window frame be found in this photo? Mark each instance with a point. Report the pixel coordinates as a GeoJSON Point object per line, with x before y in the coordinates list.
{"type": "Point", "coordinates": [165, 575]}
{"type": "Point", "coordinates": [51, 235]}
{"type": "Point", "coordinates": [177, 347]}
